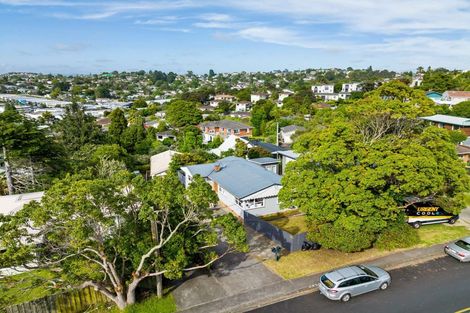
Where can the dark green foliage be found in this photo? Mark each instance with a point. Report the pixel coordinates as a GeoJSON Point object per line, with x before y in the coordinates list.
{"type": "Point", "coordinates": [461, 109]}
{"type": "Point", "coordinates": [335, 236]}
{"type": "Point", "coordinates": [118, 125]}
{"type": "Point", "coordinates": [77, 129]}
{"type": "Point", "coordinates": [398, 235]}
{"type": "Point", "coordinates": [258, 152]}
{"type": "Point", "coordinates": [181, 113]}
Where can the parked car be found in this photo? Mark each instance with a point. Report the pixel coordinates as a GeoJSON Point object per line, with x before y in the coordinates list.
{"type": "Point", "coordinates": [426, 213]}
{"type": "Point", "coordinates": [459, 249]}
{"type": "Point", "coordinates": [347, 282]}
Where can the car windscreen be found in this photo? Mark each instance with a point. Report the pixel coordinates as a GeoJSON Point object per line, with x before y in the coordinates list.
{"type": "Point", "coordinates": [462, 244]}
{"type": "Point", "coordinates": [328, 283]}
{"type": "Point", "coordinates": [368, 271]}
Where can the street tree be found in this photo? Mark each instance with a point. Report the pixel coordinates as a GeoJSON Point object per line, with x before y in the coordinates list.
{"type": "Point", "coordinates": [112, 233]}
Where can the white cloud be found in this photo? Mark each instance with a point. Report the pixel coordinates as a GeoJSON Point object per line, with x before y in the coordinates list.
{"type": "Point", "coordinates": [216, 17]}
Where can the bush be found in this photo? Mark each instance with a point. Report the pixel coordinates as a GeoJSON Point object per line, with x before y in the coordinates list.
{"type": "Point", "coordinates": [398, 235]}
{"type": "Point", "coordinates": [334, 236]}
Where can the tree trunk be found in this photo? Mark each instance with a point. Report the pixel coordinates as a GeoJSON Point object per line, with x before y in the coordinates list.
{"type": "Point", "coordinates": [159, 286]}
{"type": "Point", "coordinates": [158, 278]}
{"type": "Point", "coordinates": [11, 188]}
{"type": "Point", "coordinates": [121, 302]}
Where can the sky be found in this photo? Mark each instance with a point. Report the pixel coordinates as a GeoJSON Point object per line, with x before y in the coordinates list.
{"type": "Point", "coordinates": [84, 36]}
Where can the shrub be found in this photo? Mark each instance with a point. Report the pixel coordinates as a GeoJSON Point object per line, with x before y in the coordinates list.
{"type": "Point", "coordinates": [398, 235]}
{"type": "Point", "coordinates": [337, 237]}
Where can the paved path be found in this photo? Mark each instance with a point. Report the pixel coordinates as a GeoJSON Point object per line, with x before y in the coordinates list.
{"type": "Point", "coordinates": [233, 275]}
{"type": "Point", "coordinates": [439, 286]}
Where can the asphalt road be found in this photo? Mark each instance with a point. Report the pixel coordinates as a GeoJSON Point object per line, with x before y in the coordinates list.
{"type": "Point", "coordinates": [439, 286]}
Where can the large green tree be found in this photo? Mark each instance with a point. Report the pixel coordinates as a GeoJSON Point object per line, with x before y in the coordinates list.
{"type": "Point", "coordinates": [118, 125]}
{"type": "Point", "coordinates": [180, 113]}
{"type": "Point", "coordinates": [356, 170]}
{"type": "Point", "coordinates": [112, 231]}
{"type": "Point", "coordinates": [77, 129]}
{"type": "Point", "coordinates": [25, 146]}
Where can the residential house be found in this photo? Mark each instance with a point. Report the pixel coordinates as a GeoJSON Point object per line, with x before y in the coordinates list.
{"type": "Point", "coordinates": [159, 163]}
{"type": "Point", "coordinates": [453, 97]}
{"type": "Point", "coordinates": [241, 185]}
{"type": "Point", "coordinates": [464, 153]}
{"type": "Point", "coordinates": [104, 123]}
{"type": "Point", "coordinates": [242, 115]}
{"type": "Point", "coordinates": [450, 122]}
{"type": "Point", "coordinates": [219, 98]}
{"type": "Point", "coordinates": [351, 87]}
{"type": "Point", "coordinates": [255, 97]}
{"type": "Point", "coordinates": [165, 134]}
{"type": "Point", "coordinates": [223, 129]}
{"type": "Point", "coordinates": [267, 163]}
{"type": "Point", "coordinates": [285, 157]}
{"type": "Point", "coordinates": [243, 106]}
{"type": "Point", "coordinates": [288, 131]}
{"type": "Point", "coordinates": [321, 89]}
{"type": "Point", "coordinates": [284, 94]}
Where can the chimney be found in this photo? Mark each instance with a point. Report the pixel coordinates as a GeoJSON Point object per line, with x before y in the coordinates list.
{"type": "Point", "coordinates": [217, 168]}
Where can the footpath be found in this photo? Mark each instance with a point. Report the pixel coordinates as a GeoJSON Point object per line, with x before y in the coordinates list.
{"type": "Point", "coordinates": [285, 289]}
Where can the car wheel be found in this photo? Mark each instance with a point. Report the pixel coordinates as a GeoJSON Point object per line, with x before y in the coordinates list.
{"type": "Point", "coordinates": [416, 225]}
{"type": "Point", "coordinates": [346, 297]}
{"type": "Point", "coordinates": [452, 221]}
{"type": "Point", "coordinates": [384, 286]}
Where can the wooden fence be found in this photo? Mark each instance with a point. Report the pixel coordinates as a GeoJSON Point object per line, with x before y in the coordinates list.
{"type": "Point", "coordinates": [75, 301]}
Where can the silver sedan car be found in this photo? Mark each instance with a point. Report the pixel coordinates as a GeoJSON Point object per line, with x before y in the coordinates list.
{"type": "Point", "coordinates": [347, 282]}
{"type": "Point", "coordinates": [459, 249]}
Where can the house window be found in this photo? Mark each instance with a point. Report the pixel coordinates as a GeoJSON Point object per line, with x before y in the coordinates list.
{"type": "Point", "coordinates": [254, 203]}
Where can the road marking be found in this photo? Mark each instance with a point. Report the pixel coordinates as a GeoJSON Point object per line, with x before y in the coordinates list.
{"type": "Point", "coordinates": [467, 310]}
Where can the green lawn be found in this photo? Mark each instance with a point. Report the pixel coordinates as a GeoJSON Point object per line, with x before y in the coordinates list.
{"type": "Point", "coordinates": [291, 221]}
{"type": "Point", "coordinates": [302, 263]}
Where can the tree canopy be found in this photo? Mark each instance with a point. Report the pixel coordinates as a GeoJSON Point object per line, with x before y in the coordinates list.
{"type": "Point", "coordinates": [356, 170]}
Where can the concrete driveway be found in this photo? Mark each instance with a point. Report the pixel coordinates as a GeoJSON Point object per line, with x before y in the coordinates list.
{"type": "Point", "coordinates": [465, 216]}
{"type": "Point", "coordinates": [234, 274]}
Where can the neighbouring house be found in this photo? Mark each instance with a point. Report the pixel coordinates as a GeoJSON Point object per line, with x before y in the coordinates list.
{"type": "Point", "coordinates": [159, 163]}
{"type": "Point", "coordinates": [14, 203]}
{"type": "Point", "coordinates": [224, 97]}
{"type": "Point", "coordinates": [351, 87]}
{"type": "Point", "coordinates": [285, 157]}
{"type": "Point", "coordinates": [450, 122]}
{"type": "Point", "coordinates": [231, 141]}
{"type": "Point", "coordinates": [240, 114]}
{"type": "Point", "coordinates": [464, 153]}
{"type": "Point", "coordinates": [288, 131]}
{"type": "Point", "coordinates": [219, 98]}
{"type": "Point", "coordinates": [323, 89]}
{"type": "Point", "coordinates": [10, 205]}
{"type": "Point", "coordinates": [164, 135]}
{"type": "Point", "coordinates": [453, 97]}
{"type": "Point", "coordinates": [223, 129]}
{"type": "Point", "coordinates": [270, 164]}
{"type": "Point", "coordinates": [149, 124]}
{"type": "Point", "coordinates": [255, 97]}
{"type": "Point", "coordinates": [284, 94]}
{"type": "Point", "coordinates": [241, 185]}
{"type": "Point", "coordinates": [243, 106]}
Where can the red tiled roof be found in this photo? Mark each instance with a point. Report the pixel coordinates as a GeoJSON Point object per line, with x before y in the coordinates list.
{"type": "Point", "coordinates": [461, 150]}
{"type": "Point", "coordinates": [458, 94]}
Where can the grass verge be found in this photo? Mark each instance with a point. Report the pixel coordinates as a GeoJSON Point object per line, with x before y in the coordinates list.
{"type": "Point", "coordinates": [151, 305]}
{"type": "Point", "coordinates": [302, 263]}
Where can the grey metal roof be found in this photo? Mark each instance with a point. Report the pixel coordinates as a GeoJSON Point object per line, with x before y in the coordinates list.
{"type": "Point", "coordinates": [225, 124]}
{"type": "Point", "coordinates": [448, 119]}
{"type": "Point", "coordinates": [265, 145]}
{"type": "Point", "coordinates": [264, 160]}
{"type": "Point", "coordinates": [288, 153]}
{"type": "Point", "coordinates": [291, 128]}
{"type": "Point", "coordinates": [238, 176]}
